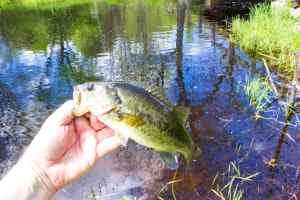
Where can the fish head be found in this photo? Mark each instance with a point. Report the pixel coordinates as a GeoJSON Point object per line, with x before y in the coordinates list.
{"type": "Point", "coordinates": [99, 98]}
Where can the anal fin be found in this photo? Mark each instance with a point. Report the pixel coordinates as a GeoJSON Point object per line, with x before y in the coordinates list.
{"type": "Point", "coordinates": [170, 160]}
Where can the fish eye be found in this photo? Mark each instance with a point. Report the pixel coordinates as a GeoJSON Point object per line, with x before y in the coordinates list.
{"type": "Point", "coordinates": [90, 86]}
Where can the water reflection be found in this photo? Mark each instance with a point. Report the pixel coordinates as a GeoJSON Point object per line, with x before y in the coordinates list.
{"type": "Point", "coordinates": [181, 13]}
{"type": "Point", "coordinates": [221, 9]}
{"type": "Point", "coordinates": [285, 136]}
{"type": "Point", "coordinates": [169, 44]}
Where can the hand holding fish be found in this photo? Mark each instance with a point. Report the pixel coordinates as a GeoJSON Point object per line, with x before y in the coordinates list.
{"type": "Point", "coordinates": [72, 139]}
{"type": "Point", "coordinates": [65, 148]}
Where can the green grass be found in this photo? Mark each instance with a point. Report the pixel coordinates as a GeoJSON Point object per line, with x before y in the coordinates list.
{"type": "Point", "coordinates": [259, 93]}
{"type": "Point", "coordinates": [232, 180]}
{"type": "Point", "coordinates": [271, 33]}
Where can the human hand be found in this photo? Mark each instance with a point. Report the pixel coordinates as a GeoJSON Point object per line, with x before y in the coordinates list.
{"type": "Point", "coordinates": [66, 147]}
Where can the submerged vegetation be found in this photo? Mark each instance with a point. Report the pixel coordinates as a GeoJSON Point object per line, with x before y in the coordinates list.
{"type": "Point", "coordinates": [269, 32]}
{"type": "Point", "coordinates": [232, 179]}
{"type": "Point", "coordinates": [259, 93]}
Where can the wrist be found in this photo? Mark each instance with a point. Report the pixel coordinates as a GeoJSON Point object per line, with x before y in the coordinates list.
{"type": "Point", "coordinates": [27, 181]}
{"type": "Point", "coordinates": [39, 178]}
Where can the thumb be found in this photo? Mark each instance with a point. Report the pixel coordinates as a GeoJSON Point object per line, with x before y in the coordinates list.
{"type": "Point", "coordinates": [64, 114]}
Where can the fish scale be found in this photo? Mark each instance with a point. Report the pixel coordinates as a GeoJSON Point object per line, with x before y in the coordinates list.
{"type": "Point", "coordinates": [134, 113]}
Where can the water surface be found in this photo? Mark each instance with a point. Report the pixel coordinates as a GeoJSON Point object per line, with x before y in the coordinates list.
{"type": "Point", "coordinates": [44, 53]}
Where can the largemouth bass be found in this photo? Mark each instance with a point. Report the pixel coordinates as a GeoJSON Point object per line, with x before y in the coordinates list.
{"type": "Point", "coordinates": [133, 112]}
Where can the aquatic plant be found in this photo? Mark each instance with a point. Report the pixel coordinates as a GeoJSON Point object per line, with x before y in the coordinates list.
{"type": "Point", "coordinates": [259, 93]}
{"type": "Point", "coordinates": [270, 32]}
{"type": "Point", "coordinates": [233, 179]}
{"type": "Point", "coordinates": [169, 184]}
{"type": "Point", "coordinates": [92, 195]}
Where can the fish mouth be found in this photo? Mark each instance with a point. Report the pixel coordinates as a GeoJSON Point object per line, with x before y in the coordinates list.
{"type": "Point", "coordinates": [79, 109]}
{"type": "Point", "coordinates": [109, 110]}
{"type": "Point", "coordinates": [81, 106]}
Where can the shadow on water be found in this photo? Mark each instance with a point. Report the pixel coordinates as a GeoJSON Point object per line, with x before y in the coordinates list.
{"type": "Point", "coordinates": [276, 157]}
{"type": "Point", "coordinates": [284, 132]}
{"type": "Point", "coordinates": [43, 53]}
{"type": "Point", "coordinates": [220, 10]}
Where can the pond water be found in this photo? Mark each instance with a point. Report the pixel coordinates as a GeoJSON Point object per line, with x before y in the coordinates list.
{"type": "Point", "coordinates": [44, 53]}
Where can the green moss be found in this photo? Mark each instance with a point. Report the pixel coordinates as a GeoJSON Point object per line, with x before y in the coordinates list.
{"type": "Point", "coordinates": [271, 33]}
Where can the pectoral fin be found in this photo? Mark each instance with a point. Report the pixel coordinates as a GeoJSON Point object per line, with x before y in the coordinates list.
{"type": "Point", "coordinates": [132, 120]}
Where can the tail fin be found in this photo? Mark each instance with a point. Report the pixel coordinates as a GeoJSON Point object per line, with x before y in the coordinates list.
{"type": "Point", "coordinates": [188, 156]}
{"type": "Point", "coordinates": [192, 154]}
{"type": "Point", "coordinates": [197, 152]}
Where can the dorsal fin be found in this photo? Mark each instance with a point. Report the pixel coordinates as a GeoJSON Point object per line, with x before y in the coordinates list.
{"type": "Point", "coordinates": [158, 93]}
{"type": "Point", "coordinates": [182, 113]}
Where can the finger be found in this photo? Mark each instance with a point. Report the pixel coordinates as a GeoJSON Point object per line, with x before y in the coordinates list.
{"type": "Point", "coordinates": [70, 138]}
{"type": "Point", "coordinates": [87, 115]}
{"type": "Point", "coordinates": [64, 114]}
{"type": "Point", "coordinates": [83, 127]}
{"type": "Point", "coordinates": [95, 123]}
{"type": "Point", "coordinates": [104, 133]}
{"type": "Point", "coordinates": [108, 145]}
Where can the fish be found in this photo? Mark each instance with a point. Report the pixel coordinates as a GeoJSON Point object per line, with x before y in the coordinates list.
{"type": "Point", "coordinates": [143, 115]}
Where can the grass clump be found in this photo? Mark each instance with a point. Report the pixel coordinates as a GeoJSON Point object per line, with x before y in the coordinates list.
{"type": "Point", "coordinates": [232, 181]}
{"type": "Point", "coordinates": [271, 32]}
{"type": "Point", "coordinates": [259, 93]}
